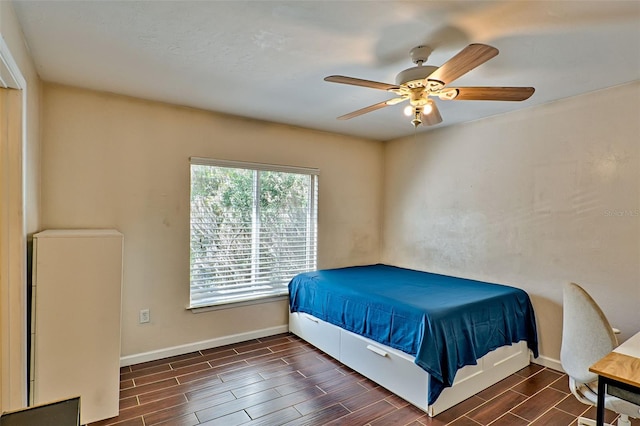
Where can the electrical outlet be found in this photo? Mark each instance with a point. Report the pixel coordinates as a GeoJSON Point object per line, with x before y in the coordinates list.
{"type": "Point", "coordinates": [144, 316]}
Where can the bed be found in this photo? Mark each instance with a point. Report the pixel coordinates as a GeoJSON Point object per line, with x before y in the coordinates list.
{"type": "Point", "coordinates": [432, 339]}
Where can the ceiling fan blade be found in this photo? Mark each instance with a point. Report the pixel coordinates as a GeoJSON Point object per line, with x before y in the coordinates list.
{"type": "Point", "coordinates": [360, 82]}
{"type": "Point", "coordinates": [433, 117]}
{"type": "Point", "coordinates": [467, 59]}
{"type": "Point", "coordinates": [493, 93]}
{"type": "Point", "coordinates": [371, 108]}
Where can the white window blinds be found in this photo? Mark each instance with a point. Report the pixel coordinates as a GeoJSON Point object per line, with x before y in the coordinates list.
{"type": "Point", "coordinates": [253, 227]}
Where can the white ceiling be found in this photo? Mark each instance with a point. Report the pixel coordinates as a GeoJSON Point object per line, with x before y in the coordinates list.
{"type": "Point", "coordinates": [267, 59]}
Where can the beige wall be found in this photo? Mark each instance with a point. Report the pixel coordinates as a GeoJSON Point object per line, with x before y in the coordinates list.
{"type": "Point", "coordinates": [112, 161]}
{"type": "Point", "coordinates": [534, 199]}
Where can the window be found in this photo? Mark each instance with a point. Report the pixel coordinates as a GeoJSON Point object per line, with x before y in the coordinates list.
{"type": "Point", "coordinates": [253, 227]}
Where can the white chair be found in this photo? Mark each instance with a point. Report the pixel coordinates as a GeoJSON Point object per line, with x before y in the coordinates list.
{"type": "Point", "coordinates": [587, 336]}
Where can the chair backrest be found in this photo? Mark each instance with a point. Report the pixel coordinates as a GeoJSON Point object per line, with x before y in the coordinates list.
{"type": "Point", "coordinates": [587, 336]}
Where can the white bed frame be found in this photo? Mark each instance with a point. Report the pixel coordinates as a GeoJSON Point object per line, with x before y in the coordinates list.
{"type": "Point", "coordinates": [396, 371]}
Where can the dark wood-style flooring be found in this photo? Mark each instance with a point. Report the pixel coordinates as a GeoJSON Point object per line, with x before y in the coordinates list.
{"type": "Point", "coordinates": [282, 380]}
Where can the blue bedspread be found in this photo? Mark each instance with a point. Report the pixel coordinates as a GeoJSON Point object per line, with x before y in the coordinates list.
{"type": "Point", "coordinates": [445, 322]}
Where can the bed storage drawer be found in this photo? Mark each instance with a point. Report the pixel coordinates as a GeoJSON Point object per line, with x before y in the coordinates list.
{"type": "Point", "coordinates": [320, 334]}
{"type": "Point", "coordinates": [396, 370]}
{"type": "Point", "coordinates": [490, 369]}
{"type": "Point", "coordinates": [390, 368]}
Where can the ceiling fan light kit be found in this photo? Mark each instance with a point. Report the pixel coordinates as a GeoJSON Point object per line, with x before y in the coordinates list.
{"type": "Point", "coordinates": [417, 84]}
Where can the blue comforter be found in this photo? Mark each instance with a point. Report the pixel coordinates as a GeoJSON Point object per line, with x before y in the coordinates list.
{"type": "Point", "coordinates": [445, 322]}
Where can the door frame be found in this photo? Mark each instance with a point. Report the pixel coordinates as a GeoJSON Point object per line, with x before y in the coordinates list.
{"type": "Point", "coordinates": [13, 237]}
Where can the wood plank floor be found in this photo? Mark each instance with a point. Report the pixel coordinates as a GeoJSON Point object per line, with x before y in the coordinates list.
{"type": "Point", "coordinates": [282, 380]}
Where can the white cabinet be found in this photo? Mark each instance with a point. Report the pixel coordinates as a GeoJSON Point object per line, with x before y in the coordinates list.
{"type": "Point", "coordinates": [77, 280]}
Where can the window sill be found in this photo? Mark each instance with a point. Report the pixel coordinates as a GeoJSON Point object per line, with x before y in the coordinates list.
{"type": "Point", "coordinates": [237, 304]}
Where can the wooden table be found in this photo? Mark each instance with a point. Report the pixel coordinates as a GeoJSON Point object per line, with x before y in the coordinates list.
{"type": "Point", "coordinates": [620, 368]}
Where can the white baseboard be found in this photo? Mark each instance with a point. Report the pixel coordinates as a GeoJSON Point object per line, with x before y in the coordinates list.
{"type": "Point", "coordinates": [551, 363]}
{"type": "Point", "coordinates": [204, 344]}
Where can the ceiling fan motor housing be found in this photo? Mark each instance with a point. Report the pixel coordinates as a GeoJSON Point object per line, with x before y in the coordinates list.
{"type": "Point", "coordinates": [415, 76]}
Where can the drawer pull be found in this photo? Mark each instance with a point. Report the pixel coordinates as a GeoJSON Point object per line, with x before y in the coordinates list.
{"type": "Point", "coordinates": [376, 350]}
{"type": "Point", "coordinates": [312, 319]}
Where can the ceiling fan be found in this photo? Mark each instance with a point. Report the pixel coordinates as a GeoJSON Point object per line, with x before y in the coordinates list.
{"type": "Point", "coordinates": [419, 83]}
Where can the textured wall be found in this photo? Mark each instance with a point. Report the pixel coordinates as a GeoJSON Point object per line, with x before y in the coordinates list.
{"type": "Point", "coordinates": [117, 162]}
{"type": "Point", "coordinates": [533, 199]}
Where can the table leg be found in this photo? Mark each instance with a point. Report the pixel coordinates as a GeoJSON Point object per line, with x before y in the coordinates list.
{"type": "Point", "coordinates": [602, 390]}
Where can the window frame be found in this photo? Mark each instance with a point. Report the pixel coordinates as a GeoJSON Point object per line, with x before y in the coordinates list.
{"type": "Point", "coordinates": [314, 173]}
